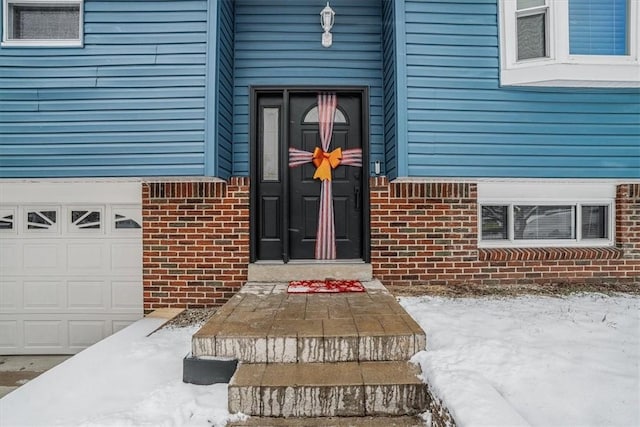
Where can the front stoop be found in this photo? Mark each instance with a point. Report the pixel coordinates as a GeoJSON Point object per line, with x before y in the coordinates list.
{"type": "Point", "coordinates": [317, 355]}
{"type": "Point", "coordinates": [327, 389]}
{"type": "Point", "coordinates": [264, 324]}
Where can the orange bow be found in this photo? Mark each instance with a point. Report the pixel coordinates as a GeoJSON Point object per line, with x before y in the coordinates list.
{"type": "Point", "coordinates": [325, 162]}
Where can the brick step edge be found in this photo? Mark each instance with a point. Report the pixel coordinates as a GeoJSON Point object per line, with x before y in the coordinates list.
{"type": "Point", "coordinates": [400, 421]}
{"type": "Point", "coordinates": [328, 389]}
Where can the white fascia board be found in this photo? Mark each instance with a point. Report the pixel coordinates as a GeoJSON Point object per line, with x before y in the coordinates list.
{"type": "Point", "coordinates": [70, 192]}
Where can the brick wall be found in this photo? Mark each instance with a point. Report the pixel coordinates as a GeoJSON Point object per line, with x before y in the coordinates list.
{"type": "Point", "coordinates": [426, 233]}
{"type": "Point", "coordinates": [195, 242]}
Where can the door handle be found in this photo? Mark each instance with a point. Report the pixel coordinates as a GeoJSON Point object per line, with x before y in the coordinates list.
{"type": "Point", "coordinates": [357, 197]}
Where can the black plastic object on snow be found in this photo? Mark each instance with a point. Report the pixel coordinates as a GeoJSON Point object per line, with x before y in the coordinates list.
{"type": "Point", "coordinates": [207, 370]}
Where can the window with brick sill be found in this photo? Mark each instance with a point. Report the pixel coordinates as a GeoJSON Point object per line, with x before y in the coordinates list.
{"type": "Point", "coordinates": [546, 214]}
{"type": "Point", "coordinates": [588, 43]}
{"type": "Point", "coordinates": [545, 225]}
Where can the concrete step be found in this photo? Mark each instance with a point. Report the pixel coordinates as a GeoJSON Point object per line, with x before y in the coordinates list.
{"type": "Point", "coordinates": [283, 328]}
{"type": "Point", "coordinates": [266, 271]}
{"type": "Point", "coordinates": [347, 389]}
{"type": "Point", "coordinates": [402, 421]}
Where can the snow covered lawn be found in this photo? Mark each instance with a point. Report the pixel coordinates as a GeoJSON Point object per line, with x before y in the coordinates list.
{"type": "Point", "coordinates": [539, 361]}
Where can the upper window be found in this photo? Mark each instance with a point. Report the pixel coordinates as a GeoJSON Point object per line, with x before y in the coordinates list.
{"type": "Point", "coordinates": [42, 23]}
{"type": "Point", "coordinates": [587, 43]}
{"type": "Point", "coordinates": [531, 18]}
{"type": "Point", "coordinates": [598, 27]}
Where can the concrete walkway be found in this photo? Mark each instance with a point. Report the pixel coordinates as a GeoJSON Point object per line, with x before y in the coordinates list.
{"type": "Point", "coordinates": [16, 371]}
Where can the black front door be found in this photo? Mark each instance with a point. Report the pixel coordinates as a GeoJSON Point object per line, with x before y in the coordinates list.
{"type": "Point", "coordinates": [286, 200]}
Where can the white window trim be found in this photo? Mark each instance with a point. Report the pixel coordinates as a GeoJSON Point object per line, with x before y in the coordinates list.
{"type": "Point", "coordinates": [545, 194]}
{"type": "Point", "coordinates": [130, 211]}
{"type": "Point", "coordinates": [72, 229]}
{"type": "Point", "coordinates": [10, 210]}
{"type": "Point", "coordinates": [560, 68]}
{"type": "Point", "coordinates": [79, 42]}
{"type": "Point", "coordinates": [56, 227]}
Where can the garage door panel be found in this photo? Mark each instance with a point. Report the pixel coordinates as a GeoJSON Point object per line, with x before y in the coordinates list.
{"type": "Point", "coordinates": [120, 324]}
{"type": "Point", "coordinates": [84, 294]}
{"type": "Point", "coordinates": [9, 333]}
{"type": "Point", "coordinates": [10, 259]}
{"type": "Point", "coordinates": [83, 333]}
{"type": "Point", "coordinates": [126, 257]}
{"type": "Point", "coordinates": [44, 334]}
{"type": "Point", "coordinates": [87, 257]}
{"type": "Point", "coordinates": [125, 295]}
{"type": "Point", "coordinates": [42, 258]}
{"type": "Point", "coordinates": [43, 294]}
{"type": "Point", "coordinates": [10, 295]}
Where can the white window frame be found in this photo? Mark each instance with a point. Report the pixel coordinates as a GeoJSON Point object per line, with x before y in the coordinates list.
{"type": "Point", "coordinates": [10, 210]}
{"type": "Point", "coordinates": [7, 42]}
{"type": "Point", "coordinates": [128, 211]}
{"type": "Point", "coordinates": [560, 68]}
{"type": "Point", "coordinates": [72, 229]}
{"type": "Point", "coordinates": [54, 229]}
{"type": "Point", "coordinates": [546, 194]}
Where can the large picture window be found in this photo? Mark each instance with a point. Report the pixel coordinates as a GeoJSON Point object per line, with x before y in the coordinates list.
{"type": "Point", "coordinates": [42, 23]}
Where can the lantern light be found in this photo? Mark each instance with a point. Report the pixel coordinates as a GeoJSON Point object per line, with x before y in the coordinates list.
{"type": "Point", "coordinates": [327, 19]}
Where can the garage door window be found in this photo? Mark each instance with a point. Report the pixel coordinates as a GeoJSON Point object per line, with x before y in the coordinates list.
{"type": "Point", "coordinates": [86, 219]}
{"type": "Point", "coordinates": [126, 219]}
{"type": "Point", "coordinates": [7, 219]}
{"type": "Point", "coordinates": [42, 219]}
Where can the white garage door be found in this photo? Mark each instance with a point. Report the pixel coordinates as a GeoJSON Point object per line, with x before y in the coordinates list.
{"type": "Point", "coordinates": [70, 264]}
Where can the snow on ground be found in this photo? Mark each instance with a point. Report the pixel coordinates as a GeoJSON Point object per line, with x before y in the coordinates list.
{"type": "Point", "coordinates": [128, 379]}
{"type": "Point", "coordinates": [539, 361]}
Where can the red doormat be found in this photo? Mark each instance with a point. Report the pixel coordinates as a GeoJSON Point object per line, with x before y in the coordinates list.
{"type": "Point", "coordinates": [321, 286]}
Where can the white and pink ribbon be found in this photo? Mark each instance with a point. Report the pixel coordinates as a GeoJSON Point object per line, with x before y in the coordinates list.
{"type": "Point", "coordinates": [326, 234]}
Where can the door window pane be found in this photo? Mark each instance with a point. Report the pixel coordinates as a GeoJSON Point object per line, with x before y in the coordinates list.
{"type": "Point", "coordinates": [312, 116]}
{"type": "Point", "coordinates": [532, 36]}
{"type": "Point", "coordinates": [270, 144]}
{"type": "Point", "coordinates": [543, 222]}
{"type": "Point", "coordinates": [494, 223]}
{"type": "Point", "coordinates": [594, 222]}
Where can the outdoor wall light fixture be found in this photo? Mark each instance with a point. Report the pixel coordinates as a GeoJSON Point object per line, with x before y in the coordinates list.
{"type": "Point", "coordinates": [327, 18]}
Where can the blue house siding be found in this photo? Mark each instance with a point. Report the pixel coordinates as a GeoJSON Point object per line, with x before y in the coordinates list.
{"type": "Point", "coordinates": [223, 87]}
{"type": "Point", "coordinates": [130, 103]}
{"type": "Point", "coordinates": [278, 43]}
{"type": "Point", "coordinates": [390, 88]}
{"type": "Point", "coordinates": [461, 123]}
